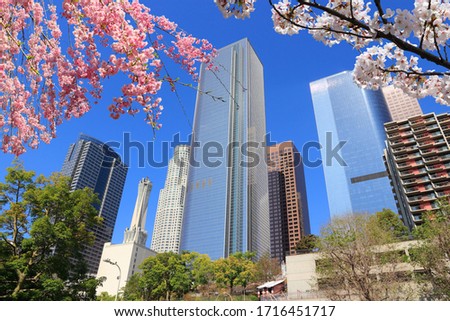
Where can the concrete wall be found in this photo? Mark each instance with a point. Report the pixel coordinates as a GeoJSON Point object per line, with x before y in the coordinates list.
{"type": "Point", "coordinates": [128, 257]}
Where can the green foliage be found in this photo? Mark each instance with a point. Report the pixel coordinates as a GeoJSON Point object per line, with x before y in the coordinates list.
{"type": "Point", "coordinates": [133, 290]}
{"type": "Point", "coordinates": [43, 229]}
{"type": "Point", "coordinates": [165, 276]}
{"type": "Point", "coordinates": [104, 296]}
{"type": "Point", "coordinates": [307, 243]}
{"type": "Point", "coordinates": [237, 269]}
{"type": "Point", "coordinates": [389, 221]}
{"type": "Point", "coordinates": [433, 254]}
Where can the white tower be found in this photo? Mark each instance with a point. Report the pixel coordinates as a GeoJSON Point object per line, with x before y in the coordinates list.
{"type": "Point", "coordinates": [120, 261]}
{"type": "Point", "coordinates": [137, 233]}
{"type": "Point", "coordinates": [169, 214]}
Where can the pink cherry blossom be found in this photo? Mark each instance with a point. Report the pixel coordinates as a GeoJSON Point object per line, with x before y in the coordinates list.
{"type": "Point", "coordinates": [43, 83]}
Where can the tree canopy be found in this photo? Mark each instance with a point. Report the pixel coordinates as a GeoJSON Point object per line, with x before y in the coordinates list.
{"type": "Point", "coordinates": [359, 258]}
{"type": "Point", "coordinates": [43, 229]}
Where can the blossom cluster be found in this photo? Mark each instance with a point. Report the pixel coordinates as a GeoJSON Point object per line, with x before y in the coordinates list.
{"type": "Point", "coordinates": [406, 48]}
{"type": "Point", "coordinates": [238, 8]}
{"type": "Point", "coordinates": [44, 80]}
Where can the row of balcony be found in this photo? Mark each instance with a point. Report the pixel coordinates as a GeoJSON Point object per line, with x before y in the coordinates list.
{"type": "Point", "coordinates": [425, 149]}
{"type": "Point", "coordinates": [422, 208]}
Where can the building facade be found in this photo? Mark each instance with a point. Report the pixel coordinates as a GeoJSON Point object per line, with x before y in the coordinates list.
{"type": "Point", "coordinates": [91, 163]}
{"type": "Point", "coordinates": [226, 208]}
{"type": "Point", "coordinates": [417, 157]}
{"type": "Point", "coordinates": [288, 204]}
{"type": "Point", "coordinates": [401, 106]}
{"type": "Point", "coordinates": [169, 213]}
{"type": "Point", "coordinates": [120, 261]}
{"type": "Point", "coordinates": [351, 133]}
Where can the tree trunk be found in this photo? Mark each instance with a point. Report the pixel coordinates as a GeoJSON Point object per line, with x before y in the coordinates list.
{"type": "Point", "coordinates": [20, 281]}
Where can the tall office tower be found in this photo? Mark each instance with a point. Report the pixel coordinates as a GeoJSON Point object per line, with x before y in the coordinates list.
{"type": "Point", "coordinates": [417, 156]}
{"type": "Point", "coordinates": [227, 208]}
{"type": "Point", "coordinates": [288, 204]}
{"type": "Point", "coordinates": [169, 214]}
{"type": "Point", "coordinates": [91, 163]}
{"type": "Point", "coordinates": [355, 175]}
{"type": "Point", "coordinates": [120, 261]}
{"type": "Point", "coordinates": [400, 105]}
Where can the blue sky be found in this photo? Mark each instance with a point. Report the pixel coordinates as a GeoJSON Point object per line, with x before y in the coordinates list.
{"type": "Point", "coordinates": [290, 64]}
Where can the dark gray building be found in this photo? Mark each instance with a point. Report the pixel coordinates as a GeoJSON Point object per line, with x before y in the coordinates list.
{"type": "Point", "coordinates": [91, 163]}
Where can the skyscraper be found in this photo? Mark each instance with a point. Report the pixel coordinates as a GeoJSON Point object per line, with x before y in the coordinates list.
{"type": "Point", "coordinates": [91, 163]}
{"type": "Point", "coordinates": [226, 208]}
{"type": "Point", "coordinates": [400, 105]}
{"type": "Point", "coordinates": [169, 214]}
{"type": "Point", "coordinates": [288, 204]}
{"type": "Point", "coordinates": [418, 160]}
{"type": "Point", "coordinates": [123, 260]}
{"type": "Point", "coordinates": [357, 181]}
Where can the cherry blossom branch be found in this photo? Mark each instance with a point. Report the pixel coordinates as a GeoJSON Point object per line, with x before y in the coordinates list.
{"type": "Point", "coordinates": [376, 34]}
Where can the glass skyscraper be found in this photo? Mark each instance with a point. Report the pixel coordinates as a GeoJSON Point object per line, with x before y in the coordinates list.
{"type": "Point", "coordinates": [346, 113]}
{"type": "Point", "coordinates": [91, 163]}
{"type": "Point", "coordinates": [226, 207]}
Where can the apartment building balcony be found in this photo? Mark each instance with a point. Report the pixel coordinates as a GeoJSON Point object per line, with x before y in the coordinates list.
{"type": "Point", "coordinates": [439, 176]}
{"type": "Point", "coordinates": [403, 150]}
{"type": "Point", "coordinates": [437, 167]}
{"type": "Point", "coordinates": [391, 128]}
{"type": "Point", "coordinates": [421, 198]}
{"type": "Point", "coordinates": [432, 160]}
{"type": "Point", "coordinates": [441, 185]}
{"type": "Point", "coordinates": [443, 193]}
{"type": "Point", "coordinates": [444, 120]}
{"type": "Point", "coordinates": [410, 164]}
{"type": "Point", "coordinates": [417, 122]}
{"type": "Point", "coordinates": [432, 142]}
{"type": "Point", "coordinates": [412, 173]}
{"type": "Point", "coordinates": [420, 130]}
{"type": "Point", "coordinates": [424, 136]}
{"type": "Point", "coordinates": [415, 209]}
{"type": "Point", "coordinates": [416, 180]}
{"type": "Point", "coordinates": [434, 150]}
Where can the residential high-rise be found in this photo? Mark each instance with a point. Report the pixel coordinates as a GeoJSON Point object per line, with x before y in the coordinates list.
{"type": "Point", "coordinates": [120, 261]}
{"type": "Point", "coordinates": [417, 156]}
{"type": "Point", "coordinates": [91, 163]}
{"type": "Point", "coordinates": [288, 204]}
{"type": "Point", "coordinates": [350, 127]}
{"type": "Point", "coordinates": [400, 105]}
{"type": "Point", "coordinates": [226, 208]}
{"type": "Point", "coordinates": [169, 214]}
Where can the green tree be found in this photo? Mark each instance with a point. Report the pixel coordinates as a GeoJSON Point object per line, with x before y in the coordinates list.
{"type": "Point", "coordinates": [433, 254]}
{"type": "Point", "coordinates": [165, 276]}
{"type": "Point", "coordinates": [387, 220]}
{"type": "Point", "coordinates": [267, 269]}
{"type": "Point", "coordinates": [134, 290]}
{"type": "Point", "coordinates": [201, 270]}
{"type": "Point", "coordinates": [236, 269]}
{"type": "Point", "coordinates": [43, 229]}
{"type": "Point", "coordinates": [359, 259]}
{"type": "Point", "coordinates": [307, 243]}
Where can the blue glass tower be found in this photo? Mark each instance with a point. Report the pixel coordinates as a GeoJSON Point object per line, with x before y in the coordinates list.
{"type": "Point", "coordinates": [226, 207]}
{"type": "Point", "coordinates": [91, 163]}
{"type": "Point", "coordinates": [346, 113]}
